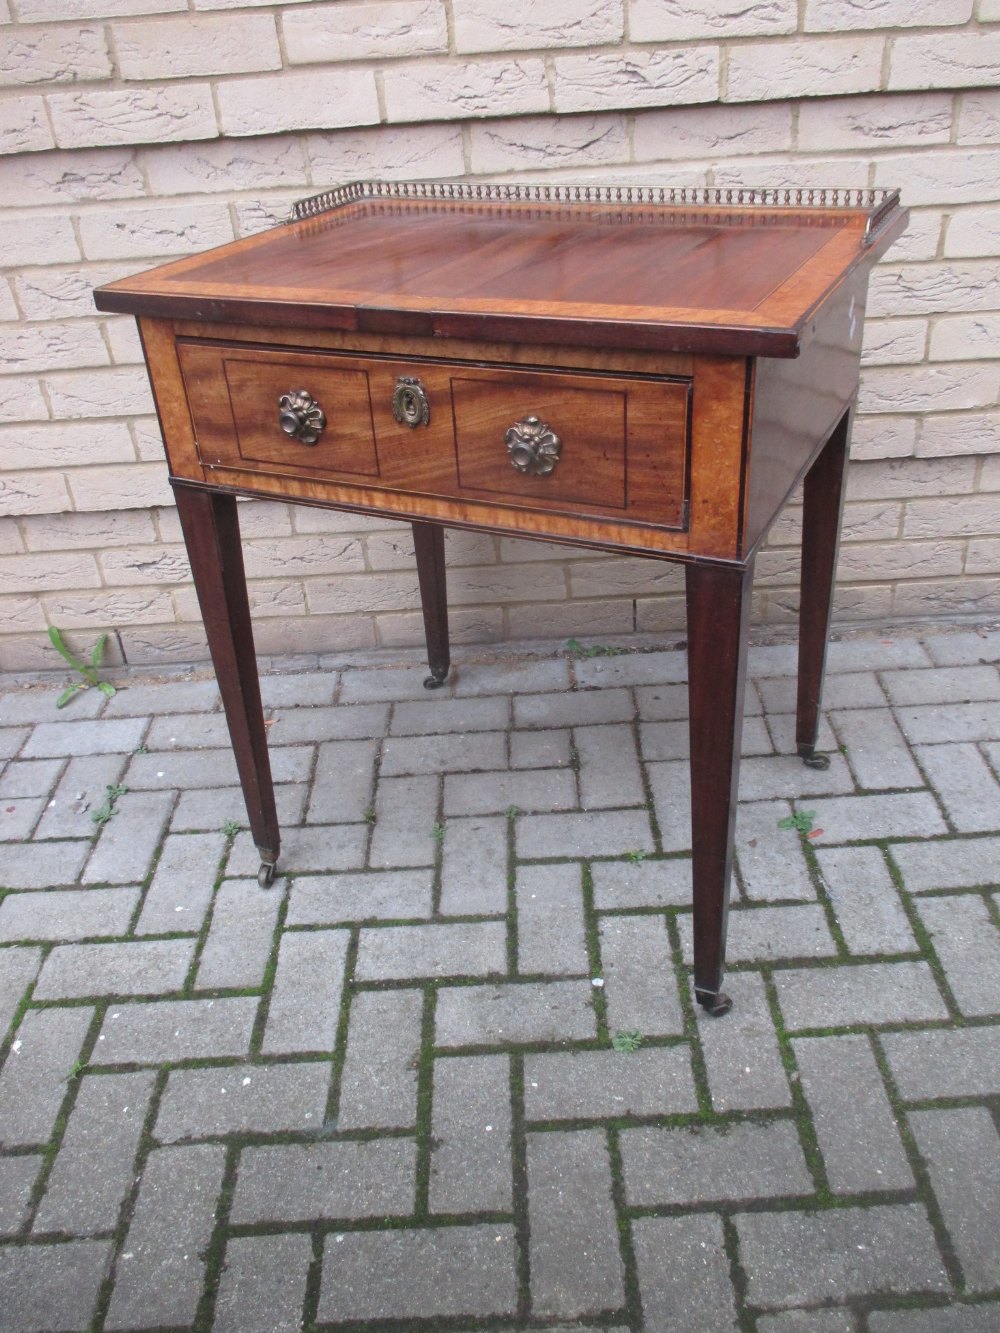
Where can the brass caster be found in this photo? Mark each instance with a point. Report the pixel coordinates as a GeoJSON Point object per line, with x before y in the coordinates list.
{"type": "Point", "coordinates": [814, 760]}
{"type": "Point", "coordinates": [435, 681]}
{"type": "Point", "coordinates": [265, 875]}
{"type": "Point", "coordinates": [715, 1003]}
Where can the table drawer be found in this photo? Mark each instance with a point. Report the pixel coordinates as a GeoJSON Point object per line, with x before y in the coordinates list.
{"type": "Point", "coordinates": [557, 441]}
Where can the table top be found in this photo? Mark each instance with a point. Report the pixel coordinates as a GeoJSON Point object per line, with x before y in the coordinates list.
{"type": "Point", "coordinates": [719, 271]}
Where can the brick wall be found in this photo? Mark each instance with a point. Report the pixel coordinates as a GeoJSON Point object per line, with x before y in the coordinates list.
{"type": "Point", "coordinates": [133, 130]}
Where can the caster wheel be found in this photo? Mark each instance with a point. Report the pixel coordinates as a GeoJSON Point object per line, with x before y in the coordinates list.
{"type": "Point", "coordinates": [716, 1004]}
{"type": "Point", "coordinates": [435, 682]}
{"type": "Point", "coordinates": [265, 875]}
{"type": "Point", "coordinates": [813, 760]}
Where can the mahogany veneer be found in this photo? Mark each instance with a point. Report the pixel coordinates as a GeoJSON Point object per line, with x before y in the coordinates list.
{"type": "Point", "coordinates": [643, 370]}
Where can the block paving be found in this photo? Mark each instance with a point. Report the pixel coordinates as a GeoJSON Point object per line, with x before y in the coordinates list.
{"type": "Point", "coordinates": [394, 1091]}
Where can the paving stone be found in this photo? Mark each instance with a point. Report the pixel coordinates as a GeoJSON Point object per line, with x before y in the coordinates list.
{"type": "Point", "coordinates": [52, 1286]}
{"type": "Point", "coordinates": [342, 788]}
{"type": "Point", "coordinates": [205, 809]}
{"type": "Point", "coordinates": [670, 784]}
{"type": "Point", "coordinates": [419, 1274]}
{"type": "Point", "coordinates": [67, 914]}
{"type": "Point", "coordinates": [439, 716]}
{"type": "Point", "coordinates": [573, 708]}
{"type": "Point", "coordinates": [378, 1088]}
{"type": "Point", "coordinates": [967, 942]}
{"type": "Point", "coordinates": [700, 1163]}
{"type": "Point", "coordinates": [949, 864]}
{"type": "Point", "coordinates": [930, 724]}
{"type": "Point", "coordinates": [764, 777]}
{"type": "Point", "coordinates": [180, 894]}
{"type": "Point", "coordinates": [849, 1106]}
{"type": "Point", "coordinates": [38, 865]}
{"type": "Point", "coordinates": [35, 1075]}
{"type": "Point", "coordinates": [154, 1032]}
{"type": "Point", "coordinates": [961, 648]}
{"type": "Point", "coordinates": [876, 750]}
{"type": "Point", "coordinates": [291, 1182]}
{"type": "Point", "coordinates": [184, 769]}
{"type": "Point", "coordinates": [742, 1060]}
{"type": "Point", "coordinates": [584, 834]}
{"type": "Point", "coordinates": [609, 767]}
{"type": "Point", "coordinates": [868, 993]}
{"type": "Point", "coordinates": [962, 1153]}
{"type": "Point", "coordinates": [512, 677]}
{"type": "Point", "coordinates": [29, 777]}
{"type": "Point", "coordinates": [846, 689]}
{"type": "Point", "coordinates": [53, 739]}
{"type": "Point", "coordinates": [243, 1099]}
{"type": "Point", "coordinates": [95, 1166]}
{"type": "Point", "coordinates": [390, 682]}
{"type": "Point", "coordinates": [132, 967]}
{"type": "Point", "coordinates": [453, 753]}
{"type": "Point", "coordinates": [470, 1135]}
{"type": "Point", "coordinates": [380, 895]}
{"type": "Point", "coordinates": [263, 1284]}
{"type": "Point", "coordinates": [128, 842]}
{"type": "Point", "coordinates": [187, 732]}
{"type": "Point", "coordinates": [797, 1258]}
{"type": "Point", "coordinates": [304, 1010]}
{"type": "Point", "coordinates": [576, 1266]}
{"type": "Point", "coordinates": [176, 696]}
{"type": "Point", "coordinates": [474, 866]}
{"type": "Point", "coordinates": [625, 884]}
{"type": "Point", "coordinates": [693, 1291]}
{"type": "Point", "coordinates": [292, 726]}
{"type": "Point", "coordinates": [668, 703]}
{"type": "Point", "coordinates": [940, 1319]}
{"type": "Point", "coordinates": [631, 669]}
{"type": "Point", "coordinates": [161, 1269]}
{"type": "Point", "coordinates": [808, 1321]}
{"type": "Point", "coordinates": [762, 934]}
{"type": "Point", "coordinates": [864, 898]}
{"type": "Point", "coordinates": [640, 987]}
{"type": "Point", "coordinates": [597, 1085]}
{"type": "Point", "coordinates": [961, 1062]}
{"type": "Point", "coordinates": [540, 749]}
{"type": "Point", "coordinates": [38, 703]}
{"type": "Point", "coordinates": [17, 1180]}
{"type": "Point", "coordinates": [18, 816]}
{"type": "Point", "coordinates": [672, 740]}
{"type": "Point", "coordinates": [466, 948]}
{"type": "Point", "coordinates": [771, 862]}
{"type": "Point", "coordinates": [80, 792]}
{"type": "Point", "coordinates": [537, 789]}
{"type": "Point", "coordinates": [942, 685]}
{"type": "Point", "coordinates": [11, 740]}
{"type": "Point", "coordinates": [875, 654]}
{"type": "Point", "coordinates": [962, 779]}
{"type": "Point", "coordinates": [782, 727]}
{"type": "Point", "coordinates": [406, 811]}
{"type": "Point", "coordinates": [240, 937]}
{"type": "Point", "coordinates": [515, 1014]}
{"type": "Point", "coordinates": [550, 921]}
{"type": "Point", "coordinates": [894, 815]}
{"type": "Point", "coordinates": [319, 847]}
{"type": "Point", "coordinates": [18, 969]}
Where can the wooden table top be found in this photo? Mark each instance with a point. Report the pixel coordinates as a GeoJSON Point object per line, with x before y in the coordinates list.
{"type": "Point", "coordinates": [720, 271]}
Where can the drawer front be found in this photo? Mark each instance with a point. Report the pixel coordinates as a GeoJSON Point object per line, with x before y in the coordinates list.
{"type": "Point", "coordinates": [550, 441]}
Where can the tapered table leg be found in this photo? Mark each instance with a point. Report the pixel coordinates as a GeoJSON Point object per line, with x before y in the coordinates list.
{"type": "Point", "coordinates": [428, 542]}
{"type": "Point", "coordinates": [718, 613]}
{"type": "Point", "coordinates": [212, 534]}
{"type": "Point", "coordinates": [823, 500]}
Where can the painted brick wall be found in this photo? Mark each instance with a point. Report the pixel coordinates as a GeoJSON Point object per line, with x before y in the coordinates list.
{"type": "Point", "coordinates": [133, 130]}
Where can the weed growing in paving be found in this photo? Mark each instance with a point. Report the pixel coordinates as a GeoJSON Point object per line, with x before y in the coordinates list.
{"type": "Point", "coordinates": [801, 820]}
{"type": "Point", "coordinates": [626, 1042]}
{"type": "Point", "coordinates": [594, 649]}
{"type": "Point", "coordinates": [438, 832]}
{"type": "Point", "coordinates": [105, 812]}
{"type": "Point", "coordinates": [231, 827]}
{"type": "Point", "coordinates": [87, 670]}
{"type": "Point", "coordinates": [636, 856]}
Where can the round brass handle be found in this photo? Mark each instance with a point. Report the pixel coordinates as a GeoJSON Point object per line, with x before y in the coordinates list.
{"type": "Point", "coordinates": [410, 405]}
{"type": "Point", "coordinates": [533, 447]}
{"type": "Point", "coordinates": [300, 416]}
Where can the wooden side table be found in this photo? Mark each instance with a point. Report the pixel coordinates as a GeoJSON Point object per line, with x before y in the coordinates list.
{"type": "Point", "coordinates": [640, 370]}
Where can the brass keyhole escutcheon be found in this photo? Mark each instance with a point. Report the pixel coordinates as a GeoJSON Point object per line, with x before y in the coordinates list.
{"type": "Point", "coordinates": [410, 406]}
{"type": "Point", "coordinates": [300, 416]}
{"type": "Point", "coordinates": [533, 447]}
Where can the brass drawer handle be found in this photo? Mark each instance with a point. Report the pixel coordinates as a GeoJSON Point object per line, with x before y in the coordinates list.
{"type": "Point", "coordinates": [300, 416]}
{"type": "Point", "coordinates": [409, 402]}
{"type": "Point", "coordinates": [533, 447]}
